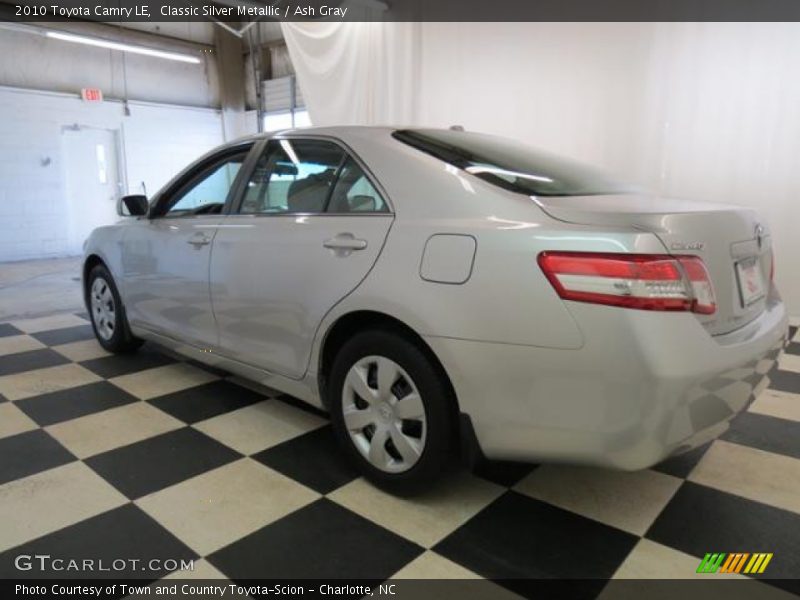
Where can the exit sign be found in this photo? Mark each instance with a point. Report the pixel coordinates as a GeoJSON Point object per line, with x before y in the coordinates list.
{"type": "Point", "coordinates": [92, 94]}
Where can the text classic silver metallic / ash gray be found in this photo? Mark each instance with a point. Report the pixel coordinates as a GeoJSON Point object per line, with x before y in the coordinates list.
{"type": "Point", "coordinates": [440, 289]}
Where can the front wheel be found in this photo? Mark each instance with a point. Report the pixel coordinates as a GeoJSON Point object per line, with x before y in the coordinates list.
{"type": "Point", "coordinates": [391, 409]}
{"type": "Point", "coordinates": [108, 314]}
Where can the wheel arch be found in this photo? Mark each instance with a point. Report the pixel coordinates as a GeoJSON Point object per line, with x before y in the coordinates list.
{"type": "Point", "coordinates": [92, 260]}
{"type": "Point", "coordinates": [352, 323]}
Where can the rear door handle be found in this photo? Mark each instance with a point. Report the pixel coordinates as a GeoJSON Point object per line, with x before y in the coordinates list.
{"type": "Point", "coordinates": [346, 242]}
{"type": "Point", "coordinates": [199, 239]}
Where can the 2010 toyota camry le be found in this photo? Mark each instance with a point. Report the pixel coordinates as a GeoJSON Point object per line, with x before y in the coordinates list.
{"type": "Point", "coordinates": [438, 290]}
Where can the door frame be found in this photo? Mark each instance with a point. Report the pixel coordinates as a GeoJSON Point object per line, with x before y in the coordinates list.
{"type": "Point", "coordinates": [117, 147]}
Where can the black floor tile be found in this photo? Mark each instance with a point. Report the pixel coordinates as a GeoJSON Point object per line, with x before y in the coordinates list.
{"type": "Point", "coordinates": [11, 364]}
{"type": "Point", "coordinates": [7, 329]}
{"type": "Point", "coordinates": [208, 368]}
{"type": "Point", "coordinates": [314, 459]}
{"type": "Point", "coordinates": [700, 519]}
{"type": "Point", "coordinates": [55, 337]}
{"type": "Point", "coordinates": [305, 406]}
{"type": "Point", "coordinates": [206, 401]}
{"type": "Point", "coordinates": [784, 381]}
{"type": "Point", "coordinates": [765, 433]}
{"type": "Point", "coordinates": [682, 464]}
{"type": "Point", "coordinates": [124, 364]}
{"type": "Point", "coordinates": [28, 453]}
{"type": "Point", "coordinates": [793, 348]}
{"type": "Point", "coordinates": [320, 541]}
{"type": "Point", "coordinates": [158, 462]}
{"type": "Point", "coordinates": [119, 537]}
{"type": "Point", "coordinates": [502, 472]}
{"type": "Point", "coordinates": [517, 538]}
{"type": "Point", "coordinates": [74, 402]}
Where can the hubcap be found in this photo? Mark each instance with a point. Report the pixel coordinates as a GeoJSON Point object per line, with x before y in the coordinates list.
{"type": "Point", "coordinates": [384, 414]}
{"type": "Point", "coordinates": [104, 314]}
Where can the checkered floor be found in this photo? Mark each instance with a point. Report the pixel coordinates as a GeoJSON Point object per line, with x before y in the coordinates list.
{"type": "Point", "coordinates": [149, 456]}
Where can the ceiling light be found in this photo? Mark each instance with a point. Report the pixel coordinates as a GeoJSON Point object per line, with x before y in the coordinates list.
{"type": "Point", "coordinates": [80, 39]}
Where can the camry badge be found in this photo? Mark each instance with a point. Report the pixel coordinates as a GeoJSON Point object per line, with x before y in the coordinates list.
{"type": "Point", "coordinates": [688, 245]}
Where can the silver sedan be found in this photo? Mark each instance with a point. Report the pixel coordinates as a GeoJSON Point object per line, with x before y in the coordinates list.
{"type": "Point", "coordinates": [441, 290]}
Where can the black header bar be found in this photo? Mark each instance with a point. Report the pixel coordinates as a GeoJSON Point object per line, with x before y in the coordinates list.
{"type": "Point", "coordinates": [243, 11]}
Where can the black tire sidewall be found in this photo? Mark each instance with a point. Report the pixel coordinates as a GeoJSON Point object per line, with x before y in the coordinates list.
{"type": "Point", "coordinates": [435, 394]}
{"type": "Point", "coordinates": [121, 341]}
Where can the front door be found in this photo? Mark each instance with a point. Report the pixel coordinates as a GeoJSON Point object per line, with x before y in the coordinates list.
{"type": "Point", "coordinates": [309, 228]}
{"type": "Point", "coordinates": [166, 257]}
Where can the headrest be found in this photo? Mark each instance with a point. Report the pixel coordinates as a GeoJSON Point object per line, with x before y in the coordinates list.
{"type": "Point", "coordinates": [309, 194]}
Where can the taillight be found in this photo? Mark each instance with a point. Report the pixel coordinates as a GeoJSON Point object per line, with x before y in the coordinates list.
{"type": "Point", "coordinates": [643, 281]}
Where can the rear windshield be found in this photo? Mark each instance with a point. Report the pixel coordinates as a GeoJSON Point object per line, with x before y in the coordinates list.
{"type": "Point", "coordinates": [511, 165]}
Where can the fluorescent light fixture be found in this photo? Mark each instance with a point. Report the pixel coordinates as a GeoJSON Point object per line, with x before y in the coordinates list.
{"type": "Point", "coordinates": [89, 41]}
{"type": "Point", "coordinates": [287, 147]}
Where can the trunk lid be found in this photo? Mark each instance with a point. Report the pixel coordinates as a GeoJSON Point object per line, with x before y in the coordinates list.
{"type": "Point", "coordinates": [733, 243]}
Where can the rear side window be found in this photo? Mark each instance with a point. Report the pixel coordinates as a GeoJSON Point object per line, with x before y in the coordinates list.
{"type": "Point", "coordinates": [511, 165]}
{"type": "Point", "coordinates": [309, 177]}
{"type": "Point", "coordinates": [353, 192]}
{"type": "Point", "coordinates": [293, 176]}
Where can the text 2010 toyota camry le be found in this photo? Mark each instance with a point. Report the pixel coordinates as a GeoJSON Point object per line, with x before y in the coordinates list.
{"type": "Point", "coordinates": [436, 289]}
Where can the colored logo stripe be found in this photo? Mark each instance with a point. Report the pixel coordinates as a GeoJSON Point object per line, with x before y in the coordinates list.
{"type": "Point", "coordinates": [735, 562]}
{"type": "Point", "coordinates": [758, 563]}
{"type": "Point", "coordinates": [710, 563]}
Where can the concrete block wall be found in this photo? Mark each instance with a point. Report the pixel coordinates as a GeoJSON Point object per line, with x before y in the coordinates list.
{"type": "Point", "coordinates": [157, 141]}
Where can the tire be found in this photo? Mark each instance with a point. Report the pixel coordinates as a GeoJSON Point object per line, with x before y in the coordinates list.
{"type": "Point", "coordinates": [416, 439]}
{"type": "Point", "coordinates": [108, 313]}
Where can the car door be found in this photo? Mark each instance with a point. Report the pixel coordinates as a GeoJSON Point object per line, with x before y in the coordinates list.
{"type": "Point", "coordinates": [166, 256]}
{"type": "Point", "coordinates": [308, 228]}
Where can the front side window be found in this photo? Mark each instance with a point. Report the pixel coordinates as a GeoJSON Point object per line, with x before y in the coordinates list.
{"type": "Point", "coordinates": [207, 191]}
{"type": "Point", "coordinates": [511, 165]}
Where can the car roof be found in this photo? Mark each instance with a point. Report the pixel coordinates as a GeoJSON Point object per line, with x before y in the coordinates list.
{"type": "Point", "coordinates": [337, 131]}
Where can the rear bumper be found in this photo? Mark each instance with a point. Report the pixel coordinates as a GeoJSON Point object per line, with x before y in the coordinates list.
{"type": "Point", "coordinates": [644, 386]}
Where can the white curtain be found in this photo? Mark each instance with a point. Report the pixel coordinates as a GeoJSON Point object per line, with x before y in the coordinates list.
{"type": "Point", "coordinates": [708, 111]}
{"type": "Point", "coordinates": [356, 73]}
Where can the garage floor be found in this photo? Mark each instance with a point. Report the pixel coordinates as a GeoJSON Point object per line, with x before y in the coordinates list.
{"type": "Point", "coordinates": [39, 287]}
{"type": "Point", "coordinates": [149, 456]}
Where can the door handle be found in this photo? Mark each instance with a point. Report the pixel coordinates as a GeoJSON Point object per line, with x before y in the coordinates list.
{"type": "Point", "coordinates": [198, 239]}
{"type": "Point", "coordinates": [345, 241]}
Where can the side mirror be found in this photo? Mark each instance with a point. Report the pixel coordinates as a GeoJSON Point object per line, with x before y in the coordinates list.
{"type": "Point", "coordinates": [135, 205]}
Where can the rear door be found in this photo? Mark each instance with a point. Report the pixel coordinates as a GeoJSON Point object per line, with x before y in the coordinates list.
{"type": "Point", "coordinates": [308, 228]}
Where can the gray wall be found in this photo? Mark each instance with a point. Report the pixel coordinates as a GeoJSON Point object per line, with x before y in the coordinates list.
{"type": "Point", "coordinates": [35, 62]}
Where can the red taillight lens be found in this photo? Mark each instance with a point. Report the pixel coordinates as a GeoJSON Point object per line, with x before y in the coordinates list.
{"type": "Point", "coordinates": [643, 281]}
{"type": "Point", "coordinates": [703, 299]}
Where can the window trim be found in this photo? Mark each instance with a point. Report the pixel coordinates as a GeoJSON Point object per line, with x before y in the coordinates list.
{"type": "Point", "coordinates": [236, 206]}
{"type": "Point", "coordinates": [193, 174]}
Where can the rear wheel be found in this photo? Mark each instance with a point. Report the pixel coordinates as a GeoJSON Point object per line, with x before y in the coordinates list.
{"type": "Point", "coordinates": [391, 410]}
{"type": "Point", "coordinates": [108, 314]}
